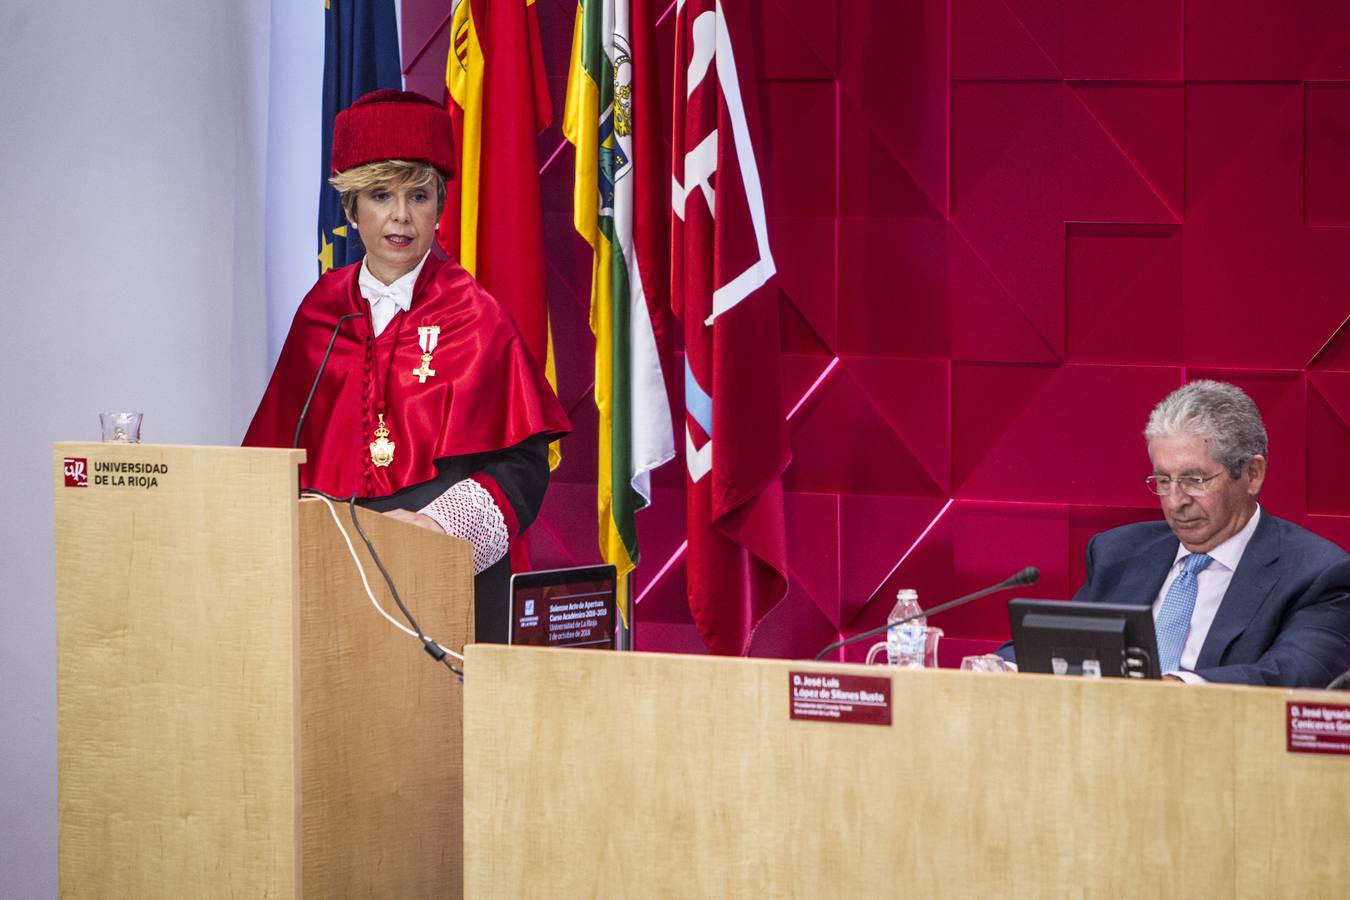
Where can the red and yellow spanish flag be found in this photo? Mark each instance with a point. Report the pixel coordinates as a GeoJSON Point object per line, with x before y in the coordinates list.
{"type": "Point", "coordinates": [498, 99]}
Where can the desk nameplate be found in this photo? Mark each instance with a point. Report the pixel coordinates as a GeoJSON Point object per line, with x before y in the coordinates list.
{"type": "Point", "coordinates": [829, 697]}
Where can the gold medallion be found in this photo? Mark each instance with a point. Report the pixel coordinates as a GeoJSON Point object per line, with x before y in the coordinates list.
{"type": "Point", "coordinates": [381, 449]}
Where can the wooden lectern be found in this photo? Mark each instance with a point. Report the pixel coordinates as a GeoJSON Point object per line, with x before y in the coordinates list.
{"type": "Point", "coordinates": [594, 774]}
{"type": "Point", "coordinates": [234, 717]}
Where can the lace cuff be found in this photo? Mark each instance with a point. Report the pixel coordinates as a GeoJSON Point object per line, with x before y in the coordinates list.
{"type": "Point", "coordinates": [468, 511]}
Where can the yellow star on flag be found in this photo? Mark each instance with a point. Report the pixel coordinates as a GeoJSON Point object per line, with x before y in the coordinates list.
{"type": "Point", "coordinates": [325, 253]}
{"type": "Point", "coordinates": [326, 248]}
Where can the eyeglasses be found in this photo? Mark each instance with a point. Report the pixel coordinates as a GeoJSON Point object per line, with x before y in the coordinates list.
{"type": "Point", "coordinates": [1191, 485]}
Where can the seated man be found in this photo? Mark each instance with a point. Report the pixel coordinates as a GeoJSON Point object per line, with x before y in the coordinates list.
{"type": "Point", "coordinates": [1238, 595]}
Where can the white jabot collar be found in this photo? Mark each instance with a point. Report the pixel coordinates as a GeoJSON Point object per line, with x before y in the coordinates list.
{"type": "Point", "coordinates": [387, 300]}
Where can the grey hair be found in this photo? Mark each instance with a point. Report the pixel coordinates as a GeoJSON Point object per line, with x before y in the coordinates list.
{"type": "Point", "coordinates": [1221, 413]}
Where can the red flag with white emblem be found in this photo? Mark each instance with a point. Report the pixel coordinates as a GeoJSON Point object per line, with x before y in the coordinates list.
{"type": "Point", "coordinates": [736, 438]}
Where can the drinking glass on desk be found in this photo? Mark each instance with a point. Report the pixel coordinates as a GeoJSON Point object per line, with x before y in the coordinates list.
{"type": "Point", "coordinates": [121, 427]}
{"type": "Point", "coordinates": [930, 648]}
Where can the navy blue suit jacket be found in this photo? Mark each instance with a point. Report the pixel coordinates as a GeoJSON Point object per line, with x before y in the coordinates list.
{"type": "Point", "coordinates": [1285, 619]}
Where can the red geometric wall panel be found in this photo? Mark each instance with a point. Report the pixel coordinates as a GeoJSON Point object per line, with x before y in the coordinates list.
{"type": "Point", "coordinates": [1003, 229]}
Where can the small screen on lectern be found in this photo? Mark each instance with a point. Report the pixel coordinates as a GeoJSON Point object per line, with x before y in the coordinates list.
{"type": "Point", "coordinates": [1102, 639]}
{"type": "Point", "coordinates": [564, 608]}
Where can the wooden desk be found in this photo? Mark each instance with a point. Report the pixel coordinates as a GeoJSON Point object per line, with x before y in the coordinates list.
{"type": "Point", "coordinates": [603, 774]}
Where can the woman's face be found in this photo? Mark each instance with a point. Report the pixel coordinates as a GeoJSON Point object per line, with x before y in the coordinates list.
{"type": "Point", "coordinates": [397, 226]}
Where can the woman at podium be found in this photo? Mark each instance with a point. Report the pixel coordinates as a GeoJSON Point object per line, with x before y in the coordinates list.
{"type": "Point", "coordinates": [429, 407]}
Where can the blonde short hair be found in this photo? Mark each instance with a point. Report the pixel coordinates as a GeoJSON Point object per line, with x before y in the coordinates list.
{"type": "Point", "coordinates": [389, 174]}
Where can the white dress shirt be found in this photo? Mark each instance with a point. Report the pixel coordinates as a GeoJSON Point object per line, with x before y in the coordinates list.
{"type": "Point", "coordinates": [1211, 583]}
{"type": "Point", "coordinates": [388, 300]}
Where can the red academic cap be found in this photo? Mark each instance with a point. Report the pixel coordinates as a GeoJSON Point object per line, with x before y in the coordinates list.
{"type": "Point", "coordinates": [393, 125]}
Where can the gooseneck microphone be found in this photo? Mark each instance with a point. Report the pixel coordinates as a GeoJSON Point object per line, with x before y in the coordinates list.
{"type": "Point", "coordinates": [300, 423]}
{"type": "Point", "coordinates": [1029, 575]}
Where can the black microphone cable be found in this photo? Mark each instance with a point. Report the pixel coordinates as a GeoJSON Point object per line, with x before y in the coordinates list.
{"type": "Point", "coordinates": [433, 649]}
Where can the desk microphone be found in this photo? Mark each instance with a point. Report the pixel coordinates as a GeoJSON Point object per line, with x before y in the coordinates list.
{"type": "Point", "coordinates": [1029, 575]}
{"type": "Point", "coordinates": [300, 423]}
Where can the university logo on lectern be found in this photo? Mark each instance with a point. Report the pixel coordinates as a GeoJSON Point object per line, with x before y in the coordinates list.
{"type": "Point", "coordinates": [77, 471]}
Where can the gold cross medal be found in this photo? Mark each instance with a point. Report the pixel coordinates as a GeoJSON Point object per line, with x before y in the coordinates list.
{"type": "Point", "coordinates": [426, 337]}
{"type": "Point", "coordinates": [381, 449]}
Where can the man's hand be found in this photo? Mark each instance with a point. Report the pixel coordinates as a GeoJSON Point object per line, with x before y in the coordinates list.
{"type": "Point", "coordinates": [416, 518]}
{"type": "Point", "coordinates": [1173, 678]}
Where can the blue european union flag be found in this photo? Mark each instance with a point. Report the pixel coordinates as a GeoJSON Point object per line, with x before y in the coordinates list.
{"type": "Point", "coordinates": [360, 55]}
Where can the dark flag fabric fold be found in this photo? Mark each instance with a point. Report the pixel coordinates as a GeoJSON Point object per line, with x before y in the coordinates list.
{"type": "Point", "coordinates": [723, 290]}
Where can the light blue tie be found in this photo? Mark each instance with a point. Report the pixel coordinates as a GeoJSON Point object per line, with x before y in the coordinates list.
{"type": "Point", "coordinates": [1174, 619]}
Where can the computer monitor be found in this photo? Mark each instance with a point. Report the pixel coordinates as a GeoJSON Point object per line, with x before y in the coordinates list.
{"type": "Point", "coordinates": [1105, 639]}
{"type": "Point", "coordinates": [564, 608]}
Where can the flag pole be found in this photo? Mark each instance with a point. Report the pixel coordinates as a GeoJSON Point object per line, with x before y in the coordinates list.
{"type": "Point", "coordinates": [623, 631]}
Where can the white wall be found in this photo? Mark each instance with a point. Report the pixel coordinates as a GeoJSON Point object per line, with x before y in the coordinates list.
{"type": "Point", "coordinates": [294, 119]}
{"type": "Point", "coordinates": [132, 236]}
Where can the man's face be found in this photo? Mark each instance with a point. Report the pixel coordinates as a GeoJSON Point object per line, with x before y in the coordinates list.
{"type": "Point", "coordinates": [1204, 522]}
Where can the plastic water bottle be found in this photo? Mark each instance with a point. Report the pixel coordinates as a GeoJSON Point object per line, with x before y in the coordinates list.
{"type": "Point", "coordinates": [905, 643]}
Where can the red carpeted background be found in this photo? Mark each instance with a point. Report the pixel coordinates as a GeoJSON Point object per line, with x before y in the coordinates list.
{"type": "Point", "coordinates": [1004, 230]}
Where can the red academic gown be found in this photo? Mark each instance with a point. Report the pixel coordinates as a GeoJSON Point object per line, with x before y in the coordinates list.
{"type": "Point", "coordinates": [488, 412]}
